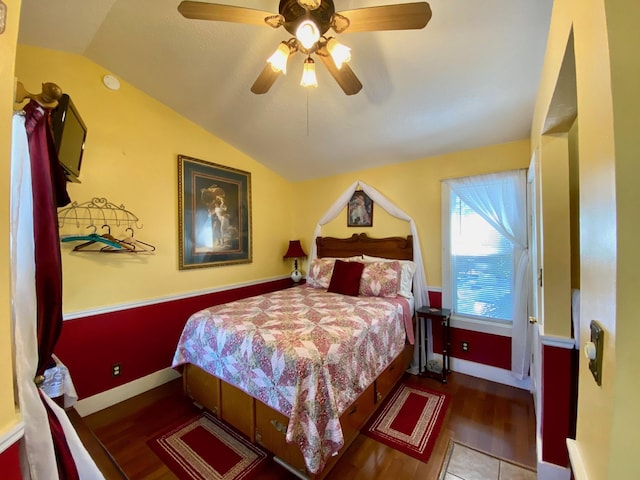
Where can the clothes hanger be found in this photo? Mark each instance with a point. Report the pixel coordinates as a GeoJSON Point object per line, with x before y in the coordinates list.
{"type": "Point", "coordinates": [111, 238]}
{"type": "Point", "coordinates": [89, 239]}
{"type": "Point", "coordinates": [143, 246]}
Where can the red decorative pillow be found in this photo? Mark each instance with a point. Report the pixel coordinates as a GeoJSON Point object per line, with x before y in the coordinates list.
{"type": "Point", "coordinates": [345, 278]}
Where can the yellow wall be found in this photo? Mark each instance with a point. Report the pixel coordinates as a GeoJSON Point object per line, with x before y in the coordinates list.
{"type": "Point", "coordinates": [607, 421]}
{"type": "Point", "coordinates": [8, 415]}
{"type": "Point", "coordinates": [623, 18]}
{"type": "Point", "coordinates": [412, 186]}
{"type": "Point", "coordinates": [555, 248]}
{"type": "Point", "coordinates": [131, 159]}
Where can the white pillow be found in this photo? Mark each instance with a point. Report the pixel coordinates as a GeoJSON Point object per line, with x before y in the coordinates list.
{"type": "Point", "coordinates": [406, 274]}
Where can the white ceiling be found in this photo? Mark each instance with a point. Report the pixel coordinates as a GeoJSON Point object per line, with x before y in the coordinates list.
{"type": "Point", "coordinates": [468, 79]}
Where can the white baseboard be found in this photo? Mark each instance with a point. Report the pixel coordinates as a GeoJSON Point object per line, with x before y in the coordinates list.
{"type": "Point", "coordinates": [577, 464]}
{"type": "Point", "coordinates": [90, 405]}
{"type": "Point", "coordinates": [546, 470]}
{"type": "Point", "coordinates": [12, 435]}
{"type": "Point", "coordinates": [488, 372]}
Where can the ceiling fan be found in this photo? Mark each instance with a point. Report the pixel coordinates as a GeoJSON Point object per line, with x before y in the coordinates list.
{"type": "Point", "coordinates": [309, 21]}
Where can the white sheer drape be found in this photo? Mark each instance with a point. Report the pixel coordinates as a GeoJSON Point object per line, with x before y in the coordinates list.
{"type": "Point", "coordinates": [37, 453]}
{"type": "Point", "coordinates": [501, 199]}
{"type": "Point", "coordinates": [420, 289]}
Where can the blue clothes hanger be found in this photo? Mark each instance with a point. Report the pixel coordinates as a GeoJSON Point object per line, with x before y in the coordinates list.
{"type": "Point", "coordinates": [89, 240]}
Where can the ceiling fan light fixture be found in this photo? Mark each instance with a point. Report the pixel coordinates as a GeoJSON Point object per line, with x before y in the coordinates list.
{"type": "Point", "coordinates": [279, 58]}
{"type": "Point", "coordinates": [307, 34]}
{"type": "Point", "coordinates": [339, 52]}
{"type": "Point", "coordinates": [309, 74]}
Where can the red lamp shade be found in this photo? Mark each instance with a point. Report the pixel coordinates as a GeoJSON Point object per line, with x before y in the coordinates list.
{"type": "Point", "coordinates": [295, 250]}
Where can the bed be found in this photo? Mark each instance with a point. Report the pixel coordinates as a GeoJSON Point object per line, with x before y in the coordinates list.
{"type": "Point", "coordinates": [300, 370]}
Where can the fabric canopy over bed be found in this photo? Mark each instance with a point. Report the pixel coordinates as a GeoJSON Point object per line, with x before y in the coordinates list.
{"type": "Point", "coordinates": [420, 289]}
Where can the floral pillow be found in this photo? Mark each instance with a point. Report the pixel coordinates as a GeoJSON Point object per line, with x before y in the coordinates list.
{"type": "Point", "coordinates": [320, 270]}
{"type": "Point", "coordinates": [380, 279]}
{"type": "Point", "coordinates": [408, 269]}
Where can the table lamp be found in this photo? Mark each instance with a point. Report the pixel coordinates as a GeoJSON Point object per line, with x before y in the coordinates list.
{"type": "Point", "coordinates": [295, 251]}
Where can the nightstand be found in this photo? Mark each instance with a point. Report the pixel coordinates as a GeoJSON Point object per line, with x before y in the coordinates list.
{"type": "Point", "coordinates": [442, 315]}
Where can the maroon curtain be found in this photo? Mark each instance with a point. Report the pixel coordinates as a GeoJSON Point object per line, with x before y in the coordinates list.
{"type": "Point", "coordinates": [49, 192]}
{"type": "Point", "coordinates": [66, 466]}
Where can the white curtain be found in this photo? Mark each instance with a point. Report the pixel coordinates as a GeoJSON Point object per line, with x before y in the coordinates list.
{"type": "Point", "coordinates": [420, 289]}
{"type": "Point", "coordinates": [501, 199]}
{"type": "Point", "coordinates": [37, 454]}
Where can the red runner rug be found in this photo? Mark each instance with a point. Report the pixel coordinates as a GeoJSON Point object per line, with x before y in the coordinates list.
{"type": "Point", "coordinates": [206, 448]}
{"type": "Point", "coordinates": [409, 420]}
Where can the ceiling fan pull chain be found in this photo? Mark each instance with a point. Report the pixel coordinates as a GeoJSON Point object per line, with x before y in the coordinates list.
{"type": "Point", "coordinates": [307, 93]}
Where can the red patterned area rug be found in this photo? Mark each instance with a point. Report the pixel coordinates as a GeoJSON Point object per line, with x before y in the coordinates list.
{"type": "Point", "coordinates": [206, 448]}
{"type": "Point", "coordinates": [409, 420]}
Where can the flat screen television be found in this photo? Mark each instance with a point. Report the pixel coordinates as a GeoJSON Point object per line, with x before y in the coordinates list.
{"type": "Point", "coordinates": [69, 135]}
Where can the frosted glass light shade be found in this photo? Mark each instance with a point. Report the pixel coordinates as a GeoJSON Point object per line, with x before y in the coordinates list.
{"type": "Point", "coordinates": [309, 74]}
{"type": "Point", "coordinates": [339, 52]}
{"type": "Point", "coordinates": [279, 58]}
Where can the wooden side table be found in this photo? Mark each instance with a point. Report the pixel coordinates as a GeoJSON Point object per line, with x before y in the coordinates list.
{"type": "Point", "coordinates": [442, 315]}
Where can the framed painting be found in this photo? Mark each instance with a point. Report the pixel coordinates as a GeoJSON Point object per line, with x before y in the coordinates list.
{"type": "Point", "coordinates": [360, 210]}
{"type": "Point", "coordinates": [214, 209]}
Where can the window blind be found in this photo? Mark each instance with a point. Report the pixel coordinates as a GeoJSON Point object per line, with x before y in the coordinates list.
{"type": "Point", "coordinates": [482, 266]}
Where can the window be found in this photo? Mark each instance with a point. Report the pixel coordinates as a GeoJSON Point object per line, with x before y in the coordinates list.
{"type": "Point", "coordinates": [481, 263]}
{"type": "Point", "coordinates": [479, 257]}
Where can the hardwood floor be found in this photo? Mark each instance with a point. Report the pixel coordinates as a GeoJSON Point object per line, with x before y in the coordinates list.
{"type": "Point", "coordinates": [495, 418]}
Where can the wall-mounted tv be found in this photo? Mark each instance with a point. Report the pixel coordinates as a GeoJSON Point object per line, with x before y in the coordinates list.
{"type": "Point", "coordinates": [69, 135]}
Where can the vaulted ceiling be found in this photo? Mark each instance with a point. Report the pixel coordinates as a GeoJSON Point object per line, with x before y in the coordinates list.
{"type": "Point", "coordinates": [468, 79]}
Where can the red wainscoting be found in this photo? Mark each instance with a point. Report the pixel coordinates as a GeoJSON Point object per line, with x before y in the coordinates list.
{"type": "Point", "coordinates": [558, 398]}
{"type": "Point", "coordinates": [10, 463]}
{"type": "Point", "coordinates": [484, 348]}
{"type": "Point", "coordinates": [141, 339]}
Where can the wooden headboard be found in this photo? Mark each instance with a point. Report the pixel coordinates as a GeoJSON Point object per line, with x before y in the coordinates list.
{"type": "Point", "coordinates": [398, 248]}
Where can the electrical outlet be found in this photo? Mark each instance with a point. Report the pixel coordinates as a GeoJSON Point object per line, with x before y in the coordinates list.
{"type": "Point", "coordinates": [115, 370]}
{"type": "Point", "coordinates": [465, 346]}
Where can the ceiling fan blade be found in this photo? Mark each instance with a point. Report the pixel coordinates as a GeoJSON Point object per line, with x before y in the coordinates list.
{"type": "Point", "coordinates": [344, 76]}
{"type": "Point", "coordinates": [404, 16]}
{"type": "Point", "coordinates": [264, 81]}
{"type": "Point", "coordinates": [222, 13]}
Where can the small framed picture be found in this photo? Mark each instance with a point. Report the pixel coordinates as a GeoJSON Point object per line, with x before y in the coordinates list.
{"type": "Point", "coordinates": [360, 210]}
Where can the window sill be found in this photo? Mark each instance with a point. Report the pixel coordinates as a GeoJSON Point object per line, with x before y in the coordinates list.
{"type": "Point", "coordinates": [483, 326]}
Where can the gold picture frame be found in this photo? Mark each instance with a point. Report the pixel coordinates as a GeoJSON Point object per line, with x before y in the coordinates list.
{"type": "Point", "coordinates": [214, 209]}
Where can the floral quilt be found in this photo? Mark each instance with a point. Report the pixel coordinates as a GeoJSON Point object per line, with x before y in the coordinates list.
{"type": "Point", "coordinates": [303, 351]}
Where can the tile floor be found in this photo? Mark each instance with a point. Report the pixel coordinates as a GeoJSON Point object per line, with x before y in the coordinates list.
{"type": "Point", "coordinates": [464, 463]}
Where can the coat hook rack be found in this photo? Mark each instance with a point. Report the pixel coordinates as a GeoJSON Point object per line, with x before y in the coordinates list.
{"type": "Point", "coordinates": [97, 212]}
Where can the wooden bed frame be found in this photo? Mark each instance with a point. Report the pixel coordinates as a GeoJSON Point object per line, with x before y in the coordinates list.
{"type": "Point", "coordinates": [267, 427]}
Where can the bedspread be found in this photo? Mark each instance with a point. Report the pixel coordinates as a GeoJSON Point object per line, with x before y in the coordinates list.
{"type": "Point", "coordinates": [302, 351]}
